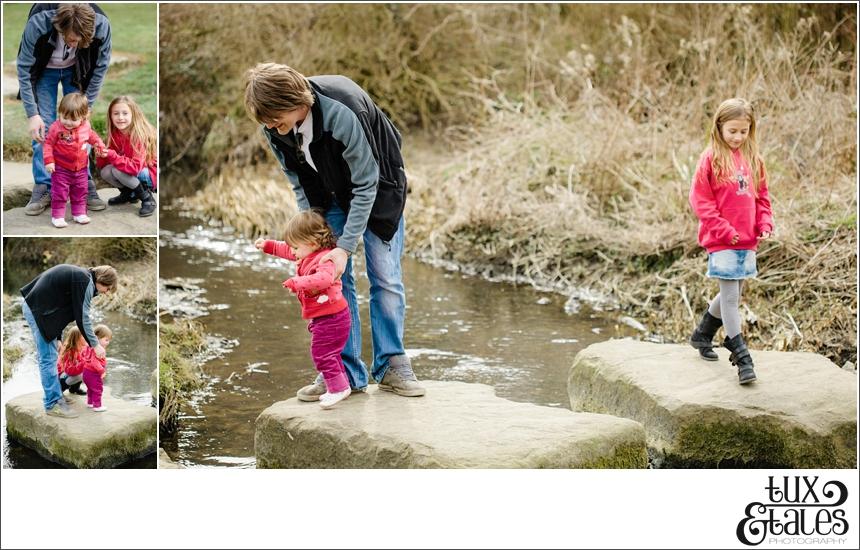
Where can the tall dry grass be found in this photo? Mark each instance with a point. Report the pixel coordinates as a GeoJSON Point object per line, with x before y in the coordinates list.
{"type": "Point", "coordinates": [434, 66]}
{"type": "Point", "coordinates": [562, 139]}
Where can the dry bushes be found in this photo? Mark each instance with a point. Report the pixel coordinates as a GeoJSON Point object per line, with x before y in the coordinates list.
{"type": "Point", "coordinates": [437, 65]}
{"type": "Point", "coordinates": [254, 202]}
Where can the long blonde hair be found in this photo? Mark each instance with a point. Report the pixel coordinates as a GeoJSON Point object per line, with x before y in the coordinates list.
{"type": "Point", "coordinates": [142, 134]}
{"type": "Point", "coordinates": [72, 344]}
{"type": "Point", "coordinates": [722, 165]}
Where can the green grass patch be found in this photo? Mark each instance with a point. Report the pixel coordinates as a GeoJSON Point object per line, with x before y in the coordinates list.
{"type": "Point", "coordinates": [133, 37]}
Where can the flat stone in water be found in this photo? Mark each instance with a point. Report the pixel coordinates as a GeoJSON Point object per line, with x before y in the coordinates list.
{"type": "Point", "coordinates": [800, 412]}
{"type": "Point", "coordinates": [167, 463]}
{"type": "Point", "coordinates": [455, 425]}
{"type": "Point", "coordinates": [124, 432]}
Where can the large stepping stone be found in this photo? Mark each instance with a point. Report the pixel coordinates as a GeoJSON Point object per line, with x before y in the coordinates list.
{"type": "Point", "coordinates": [456, 425]}
{"type": "Point", "coordinates": [113, 220]}
{"type": "Point", "coordinates": [17, 184]}
{"type": "Point", "coordinates": [800, 413]}
{"type": "Point", "coordinates": [124, 432]}
{"type": "Point", "coordinates": [167, 463]}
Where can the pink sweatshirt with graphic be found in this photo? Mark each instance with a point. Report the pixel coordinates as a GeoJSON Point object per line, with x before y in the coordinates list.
{"type": "Point", "coordinates": [67, 148]}
{"type": "Point", "coordinates": [731, 206]}
{"type": "Point", "coordinates": [319, 292]}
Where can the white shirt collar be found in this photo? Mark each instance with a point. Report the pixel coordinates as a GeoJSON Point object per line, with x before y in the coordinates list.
{"type": "Point", "coordinates": [306, 129]}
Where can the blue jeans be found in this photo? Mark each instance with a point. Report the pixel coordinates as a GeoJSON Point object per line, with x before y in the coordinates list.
{"type": "Point", "coordinates": [144, 177]}
{"type": "Point", "coordinates": [47, 352]}
{"type": "Point", "coordinates": [387, 302]}
{"type": "Point", "coordinates": [46, 101]}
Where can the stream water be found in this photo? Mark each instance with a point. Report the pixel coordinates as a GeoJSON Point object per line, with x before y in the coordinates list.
{"type": "Point", "coordinates": [131, 361]}
{"type": "Point", "coordinates": [516, 339]}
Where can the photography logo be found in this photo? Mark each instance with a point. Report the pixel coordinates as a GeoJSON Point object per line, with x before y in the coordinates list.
{"type": "Point", "coordinates": [800, 510]}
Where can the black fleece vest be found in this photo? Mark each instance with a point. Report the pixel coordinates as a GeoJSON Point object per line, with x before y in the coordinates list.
{"type": "Point", "coordinates": [332, 179]}
{"type": "Point", "coordinates": [56, 298]}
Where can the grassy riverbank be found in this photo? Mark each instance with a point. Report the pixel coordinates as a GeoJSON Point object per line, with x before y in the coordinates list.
{"type": "Point", "coordinates": [11, 352]}
{"type": "Point", "coordinates": [564, 157]}
{"type": "Point", "coordinates": [178, 373]}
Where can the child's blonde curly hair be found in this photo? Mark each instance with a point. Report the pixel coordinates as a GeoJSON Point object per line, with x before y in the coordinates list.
{"type": "Point", "coordinates": [309, 227]}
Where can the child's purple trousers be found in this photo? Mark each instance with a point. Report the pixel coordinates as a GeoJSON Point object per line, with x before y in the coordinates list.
{"type": "Point", "coordinates": [69, 185]}
{"type": "Point", "coordinates": [95, 387]}
{"type": "Point", "coordinates": [329, 334]}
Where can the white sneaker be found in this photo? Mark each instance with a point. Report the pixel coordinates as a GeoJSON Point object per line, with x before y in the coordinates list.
{"type": "Point", "coordinates": [328, 400]}
{"type": "Point", "coordinates": [82, 219]}
{"type": "Point", "coordinates": [59, 222]}
{"type": "Point", "coordinates": [90, 405]}
{"type": "Point", "coordinates": [100, 409]}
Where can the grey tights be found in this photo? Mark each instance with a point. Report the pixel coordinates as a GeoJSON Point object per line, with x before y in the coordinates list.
{"type": "Point", "coordinates": [119, 179]}
{"type": "Point", "coordinates": [726, 306]}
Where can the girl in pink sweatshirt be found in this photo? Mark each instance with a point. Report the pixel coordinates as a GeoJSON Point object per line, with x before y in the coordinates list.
{"type": "Point", "coordinates": [306, 240]}
{"type": "Point", "coordinates": [131, 160]}
{"type": "Point", "coordinates": [730, 197]}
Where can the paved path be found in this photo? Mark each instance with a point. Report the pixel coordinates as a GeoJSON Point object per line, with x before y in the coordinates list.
{"type": "Point", "coordinates": [114, 220]}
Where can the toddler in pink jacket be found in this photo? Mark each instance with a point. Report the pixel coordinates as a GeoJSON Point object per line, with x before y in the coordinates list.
{"type": "Point", "coordinates": [307, 239]}
{"type": "Point", "coordinates": [729, 195]}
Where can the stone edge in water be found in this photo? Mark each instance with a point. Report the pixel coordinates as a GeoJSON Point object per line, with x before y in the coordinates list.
{"type": "Point", "coordinates": [109, 453]}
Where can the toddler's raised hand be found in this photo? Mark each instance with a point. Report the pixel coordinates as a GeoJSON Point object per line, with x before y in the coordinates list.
{"type": "Point", "coordinates": [290, 285]}
{"type": "Point", "coordinates": [50, 168]}
{"type": "Point", "coordinates": [260, 243]}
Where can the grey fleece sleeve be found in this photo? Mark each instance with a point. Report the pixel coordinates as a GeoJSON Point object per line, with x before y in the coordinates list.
{"type": "Point", "coordinates": [364, 170]}
{"type": "Point", "coordinates": [85, 324]}
{"type": "Point", "coordinates": [301, 199]}
{"type": "Point", "coordinates": [103, 32]}
{"type": "Point", "coordinates": [36, 26]}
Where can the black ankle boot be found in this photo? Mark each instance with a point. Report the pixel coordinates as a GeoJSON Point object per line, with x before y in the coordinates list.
{"type": "Point", "coordinates": [76, 389]}
{"type": "Point", "coordinates": [147, 201]}
{"type": "Point", "coordinates": [126, 195]}
{"type": "Point", "coordinates": [741, 358]}
{"type": "Point", "coordinates": [63, 385]}
{"type": "Point", "coordinates": [703, 334]}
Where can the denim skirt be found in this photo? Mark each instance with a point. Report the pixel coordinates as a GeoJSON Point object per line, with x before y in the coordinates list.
{"type": "Point", "coordinates": [732, 264]}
